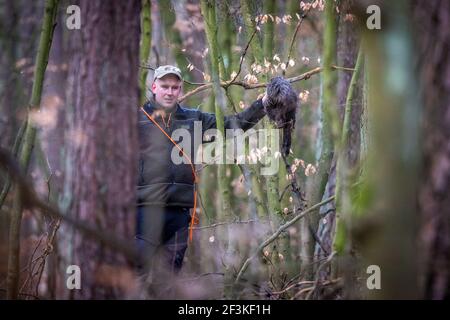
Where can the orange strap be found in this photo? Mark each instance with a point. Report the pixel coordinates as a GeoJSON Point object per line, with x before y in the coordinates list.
{"type": "Point", "coordinates": [194, 219]}
{"type": "Point", "coordinates": [168, 121]}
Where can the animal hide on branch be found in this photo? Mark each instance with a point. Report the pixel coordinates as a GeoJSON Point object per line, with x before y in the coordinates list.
{"type": "Point", "coordinates": [281, 105]}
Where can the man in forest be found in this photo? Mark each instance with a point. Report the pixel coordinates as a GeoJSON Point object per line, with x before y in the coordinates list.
{"type": "Point", "coordinates": [167, 191]}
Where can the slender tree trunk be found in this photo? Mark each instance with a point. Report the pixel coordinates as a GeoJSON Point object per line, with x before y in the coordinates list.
{"type": "Point", "coordinates": [145, 46]}
{"type": "Point", "coordinates": [329, 131]}
{"type": "Point", "coordinates": [342, 243]}
{"type": "Point", "coordinates": [249, 14]}
{"type": "Point", "coordinates": [217, 72]}
{"type": "Point", "coordinates": [272, 182]}
{"type": "Point", "coordinates": [25, 155]}
{"type": "Point", "coordinates": [50, 146]}
{"type": "Point", "coordinates": [173, 37]}
{"type": "Point", "coordinates": [349, 92]}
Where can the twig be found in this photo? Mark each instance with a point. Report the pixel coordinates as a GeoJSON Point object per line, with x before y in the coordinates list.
{"type": "Point", "coordinates": [317, 239]}
{"type": "Point", "coordinates": [203, 275]}
{"type": "Point", "coordinates": [294, 186]}
{"type": "Point", "coordinates": [295, 285]}
{"type": "Point", "coordinates": [284, 191]}
{"type": "Point", "coordinates": [47, 251]}
{"type": "Point", "coordinates": [299, 23]}
{"type": "Point", "coordinates": [203, 206]}
{"type": "Point", "coordinates": [23, 294]}
{"type": "Point", "coordinates": [227, 223]}
{"type": "Point", "coordinates": [242, 58]}
{"type": "Point", "coordinates": [330, 257]}
{"type": "Point", "coordinates": [15, 150]}
{"type": "Point", "coordinates": [278, 232]}
{"type": "Point", "coordinates": [309, 289]}
{"type": "Point", "coordinates": [343, 68]}
{"type": "Point", "coordinates": [230, 100]}
{"type": "Point", "coordinates": [143, 66]}
{"type": "Point", "coordinates": [30, 263]}
{"type": "Point", "coordinates": [195, 91]}
{"type": "Point", "coordinates": [253, 196]}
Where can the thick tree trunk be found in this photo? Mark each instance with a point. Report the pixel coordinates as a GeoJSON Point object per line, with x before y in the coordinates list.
{"type": "Point", "coordinates": [386, 233]}
{"type": "Point", "coordinates": [431, 20]}
{"type": "Point", "coordinates": [102, 140]}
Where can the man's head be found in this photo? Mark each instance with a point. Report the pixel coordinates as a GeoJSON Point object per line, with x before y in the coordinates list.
{"type": "Point", "coordinates": [166, 85]}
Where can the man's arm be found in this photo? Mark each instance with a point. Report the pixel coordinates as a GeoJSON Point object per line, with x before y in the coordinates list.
{"type": "Point", "coordinates": [243, 120]}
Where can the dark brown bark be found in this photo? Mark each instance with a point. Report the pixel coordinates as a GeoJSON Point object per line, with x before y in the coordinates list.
{"type": "Point", "coordinates": [432, 22]}
{"type": "Point", "coordinates": [102, 138]}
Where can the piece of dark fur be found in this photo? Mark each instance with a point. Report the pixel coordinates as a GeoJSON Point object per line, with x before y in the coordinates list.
{"type": "Point", "coordinates": [281, 105]}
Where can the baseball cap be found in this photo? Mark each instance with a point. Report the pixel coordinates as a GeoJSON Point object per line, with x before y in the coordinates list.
{"type": "Point", "coordinates": [165, 70]}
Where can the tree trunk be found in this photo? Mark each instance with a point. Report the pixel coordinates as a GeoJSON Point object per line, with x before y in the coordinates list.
{"type": "Point", "coordinates": [217, 73]}
{"type": "Point", "coordinates": [386, 233]}
{"type": "Point", "coordinates": [249, 14]}
{"type": "Point", "coordinates": [102, 141]}
{"type": "Point", "coordinates": [144, 49]}
{"type": "Point", "coordinates": [433, 41]}
{"type": "Point", "coordinates": [330, 123]}
{"type": "Point", "coordinates": [28, 143]}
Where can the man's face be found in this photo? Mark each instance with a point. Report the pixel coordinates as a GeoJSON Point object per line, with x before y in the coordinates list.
{"type": "Point", "coordinates": [167, 90]}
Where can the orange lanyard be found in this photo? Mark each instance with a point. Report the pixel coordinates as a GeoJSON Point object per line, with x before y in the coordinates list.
{"type": "Point", "coordinates": [194, 220]}
{"type": "Point", "coordinates": [168, 121]}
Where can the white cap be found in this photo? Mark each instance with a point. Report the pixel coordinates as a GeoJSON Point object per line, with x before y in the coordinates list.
{"type": "Point", "coordinates": [165, 70]}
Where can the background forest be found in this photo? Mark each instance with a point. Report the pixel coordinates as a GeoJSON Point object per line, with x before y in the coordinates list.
{"type": "Point", "coordinates": [359, 209]}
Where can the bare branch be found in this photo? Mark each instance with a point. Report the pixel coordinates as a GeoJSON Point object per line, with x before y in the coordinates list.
{"type": "Point", "coordinates": [299, 23]}
{"type": "Point", "coordinates": [242, 57]}
{"type": "Point", "coordinates": [143, 66]}
{"type": "Point", "coordinates": [227, 223]}
{"type": "Point", "coordinates": [278, 232]}
{"type": "Point", "coordinates": [316, 283]}
{"type": "Point", "coordinates": [245, 85]}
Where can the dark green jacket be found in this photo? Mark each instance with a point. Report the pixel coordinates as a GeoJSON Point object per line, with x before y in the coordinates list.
{"type": "Point", "coordinates": [161, 182]}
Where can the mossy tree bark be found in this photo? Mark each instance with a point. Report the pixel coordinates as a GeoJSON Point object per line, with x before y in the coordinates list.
{"type": "Point", "coordinates": [45, 42]}
{"type": "Point", "coordinates": [145, 46]}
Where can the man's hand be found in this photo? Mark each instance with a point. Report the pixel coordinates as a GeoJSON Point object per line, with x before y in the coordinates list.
{"type": "Point", "coordinates": [264, 99]}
